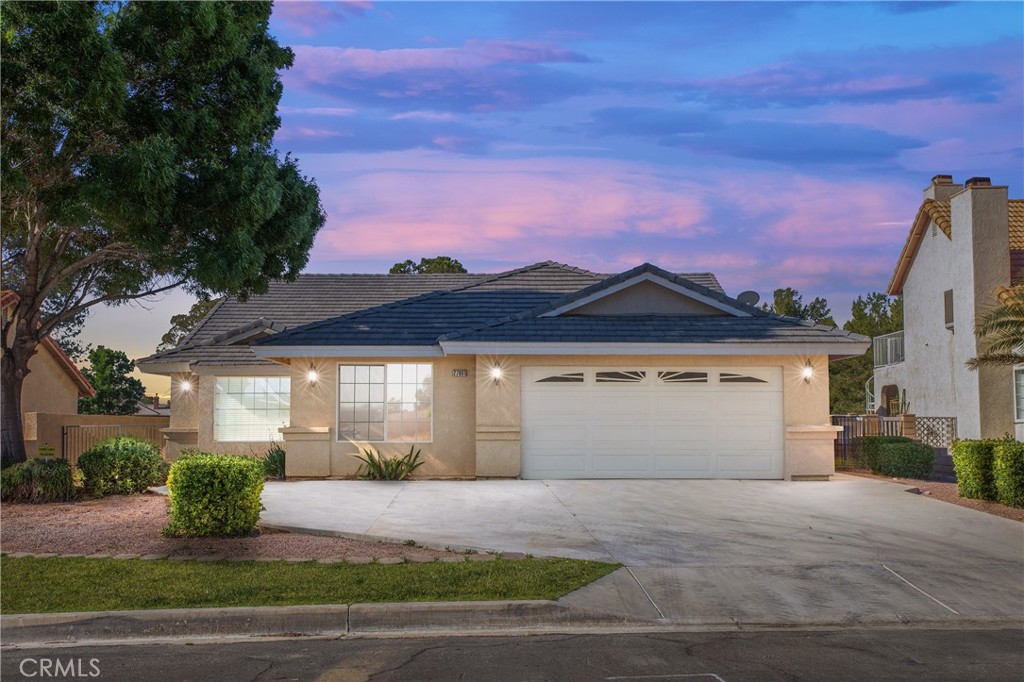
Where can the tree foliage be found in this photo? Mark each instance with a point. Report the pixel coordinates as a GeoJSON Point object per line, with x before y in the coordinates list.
{"type": "Point", "coordinates": [137, 157]}
{"type": "Point", "coordinates": [872, 315]}
{"type": "Point", "coordinates": [183, 323]}
{"type": "Point", "coordinates": [790, 302]}
{"type": "Point", "coordinates": [427, 266]}
{"type": "Point", "coordinates": [117, 392]}
{"type": "Point", "coordinates": [1001, 331]}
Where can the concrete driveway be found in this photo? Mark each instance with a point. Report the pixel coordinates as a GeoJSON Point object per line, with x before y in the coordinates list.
{"type": "Point", "coordinates": [853, 550]}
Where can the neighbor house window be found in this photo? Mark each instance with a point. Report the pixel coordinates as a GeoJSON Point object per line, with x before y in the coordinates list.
{"type": "Point", "coordinates": [251, 408]}
{"type": "Point", "coordinates": [948, 301]}
{"type": "Point", "coordinates": [392, 402]}
{"type": "Point", "coordinates": [1018, 392]}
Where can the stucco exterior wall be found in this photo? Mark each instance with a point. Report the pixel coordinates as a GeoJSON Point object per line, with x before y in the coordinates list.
{"type": "Point", "coordinates": [314, 449]}
{"type": "Point", "coordinates": [973, 263]}
{"type": "Point", "coordinates": [477, 420]}
{"type": "Point", "coordinates": [46, 428]}
{"type": "Point", "coordinates": [48, 388]}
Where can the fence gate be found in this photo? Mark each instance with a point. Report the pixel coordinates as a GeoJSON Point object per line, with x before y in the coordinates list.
{"type": "Point", "coordinates": [76, 439]}
{"type": "Point", "coordinates": [847, 443]}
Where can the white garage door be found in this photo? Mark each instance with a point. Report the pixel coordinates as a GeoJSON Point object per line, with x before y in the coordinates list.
{"type": "Point", "coordinates": [652, 422]}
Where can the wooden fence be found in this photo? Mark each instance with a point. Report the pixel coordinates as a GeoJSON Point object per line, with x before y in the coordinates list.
{"type": "Point", "coordinates": [77, 438]}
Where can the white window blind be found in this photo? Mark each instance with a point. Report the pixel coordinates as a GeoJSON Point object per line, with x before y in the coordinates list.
{"type": "Point", "coordinates": [392, 402]}
{"type": "Point", "coordinates": [1018, 384]}
{"type": "Point", "coordinates": [251, 408]}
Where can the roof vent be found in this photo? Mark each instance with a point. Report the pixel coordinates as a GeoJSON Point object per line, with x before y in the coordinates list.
{"type": "Point", "coordinates": [978, 182]}
{"type": "Point", "coordinates": [749, 298]}
{"type": "Point", "coordinates": [942, 180]}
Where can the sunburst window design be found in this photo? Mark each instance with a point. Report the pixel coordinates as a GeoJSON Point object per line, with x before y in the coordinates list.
{"type": "Point", "coordinates": [567, 378]}
{"type": "Point", "coordinates": [628, 377]}
{"type": "Point", "coordinates": [728, 378]}
{"type": "Point", "coordinates": [674, 377]}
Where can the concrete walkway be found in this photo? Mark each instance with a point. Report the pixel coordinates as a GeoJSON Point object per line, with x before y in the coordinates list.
{"type": "Point", "coordinates": [853, 550]}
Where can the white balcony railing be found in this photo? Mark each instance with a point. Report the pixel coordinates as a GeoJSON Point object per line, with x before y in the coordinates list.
{"type": "Point", "coordinates": [888, 349]}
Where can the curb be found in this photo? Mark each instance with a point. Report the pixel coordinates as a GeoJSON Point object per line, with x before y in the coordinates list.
{"type": "Point", "coordinates": [329, 620]}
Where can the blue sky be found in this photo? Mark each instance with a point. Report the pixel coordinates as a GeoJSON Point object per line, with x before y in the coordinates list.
{"type": "Point", "coordinates": [776, 144]}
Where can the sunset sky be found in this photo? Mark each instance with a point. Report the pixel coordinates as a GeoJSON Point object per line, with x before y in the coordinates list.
{"type": "Point", "coordinates": [775, 144]}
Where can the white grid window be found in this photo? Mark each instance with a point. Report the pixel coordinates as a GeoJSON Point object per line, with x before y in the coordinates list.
{"type": "Point", "coordinates": [393, 402]}
{"type": "Point", "coordinates": [251, 408]}
{"type": "Point", "coordinates": [1018, 387]}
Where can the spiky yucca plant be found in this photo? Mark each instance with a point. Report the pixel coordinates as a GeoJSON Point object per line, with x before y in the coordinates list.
{"type": "Point", "coordinates": [1001, 330]}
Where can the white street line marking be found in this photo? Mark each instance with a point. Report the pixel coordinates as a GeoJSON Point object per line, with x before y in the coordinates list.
{"type": "Point", "coordinates": [646, 594]}
{"type": "Point", "coordinates": [669, 677]}
{"type": "Point", "coordinates": [948, 608]}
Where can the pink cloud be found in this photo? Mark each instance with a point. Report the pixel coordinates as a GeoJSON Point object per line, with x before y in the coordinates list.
{"type": "Point", "coordinates": [321, 64]}
{"type": "Point", "coordinates": [309, 18]}
{"type": "Point", "coordinates": [487, 208]}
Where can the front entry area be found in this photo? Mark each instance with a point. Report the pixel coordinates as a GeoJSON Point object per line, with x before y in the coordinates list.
{"type": "Point", "coordinates": [652, 422]}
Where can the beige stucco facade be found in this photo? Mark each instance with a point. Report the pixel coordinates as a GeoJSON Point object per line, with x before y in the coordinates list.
{"type": "Point", "coordinates": [477, 419]}
{"type": "Point", "coordinates": [48, 386]}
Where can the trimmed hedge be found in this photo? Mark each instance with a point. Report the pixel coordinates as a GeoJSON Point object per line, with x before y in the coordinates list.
{"type": "Point", "coordinates": [871, 446]}
{"type": "Point", "coordinates": [121, 466]}
{"type": "Point", "coordinates": [905, 460]}
{"type": "Point", "coordinates": [37, 481]}
{"type": "Point", "coordinates": [214, 495]}
{"type": "Point", "coordinates": [972, 462]}
{"type": "Point", "coordinates": [1008, 472]}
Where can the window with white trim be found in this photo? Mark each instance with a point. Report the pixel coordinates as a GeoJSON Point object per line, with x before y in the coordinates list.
{"type": "Point", "coordinates": [1018, 391]}
{"type": "Point", "coordinates": [251, 408]}
{"type": "Point", "coordinates": [392, 402]}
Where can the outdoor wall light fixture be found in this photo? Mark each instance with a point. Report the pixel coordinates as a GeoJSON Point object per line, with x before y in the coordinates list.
{"type": "Point", "coordinates": [185, 386]}
{"type": "Point", "coordinates": [312, 376]}
{"type": "Point", "coordinates": [497, 373]}
{"type": "Point", "coordinates": [808, 372]}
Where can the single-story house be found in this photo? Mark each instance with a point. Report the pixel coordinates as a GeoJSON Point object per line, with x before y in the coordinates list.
{"type": "Point", "coordinates": [547, 371]}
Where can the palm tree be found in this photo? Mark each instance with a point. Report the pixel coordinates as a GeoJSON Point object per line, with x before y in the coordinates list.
{"type": "Point", "coordinates": [1002, 328]}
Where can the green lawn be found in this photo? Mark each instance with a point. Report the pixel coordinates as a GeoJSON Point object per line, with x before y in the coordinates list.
{"type": "Point", "coordinates": [57, 584]}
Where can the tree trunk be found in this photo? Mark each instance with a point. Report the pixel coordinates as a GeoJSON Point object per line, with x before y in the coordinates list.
{"type": "Point", "coordinates": [13, 370]}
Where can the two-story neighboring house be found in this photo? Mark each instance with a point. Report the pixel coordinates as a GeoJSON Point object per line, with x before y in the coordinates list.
{"type": "Point", "coordinates": [966, 242]}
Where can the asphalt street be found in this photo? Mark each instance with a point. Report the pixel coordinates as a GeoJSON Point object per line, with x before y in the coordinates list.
{"type": "Point", "coordinates": [857, 655]}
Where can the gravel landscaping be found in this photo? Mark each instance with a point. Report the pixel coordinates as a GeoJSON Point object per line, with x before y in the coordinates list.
{"type": "Point", "coordinates": [947, 492]}
{"type": "Point", "coordinates": [131, 525]}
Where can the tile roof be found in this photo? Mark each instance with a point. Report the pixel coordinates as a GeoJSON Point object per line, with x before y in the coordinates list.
{"type": "Point", "coordinates": [504, 309]}
{"type": "Point", "coordinates": [1016, 241]}
{"type": "Point", "coordinates": [938, 212]}
{"type": "Point", "coordinates": [317, 298]}
{"type": "Point", "coordinates": [656, 329]}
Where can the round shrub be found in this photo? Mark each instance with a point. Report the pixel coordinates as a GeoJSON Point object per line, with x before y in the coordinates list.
{"type": "Point", "coordinates": [1008, 472]}
{"type": "Point", "coordinates": [37, 481]}
{"type": "Point", "coordinates": [972, 462]}
{"type": "Point", "coordinates": [121, 466]}
{"type": "Point", "coordinates": [905, 460]}
{"type": "Point", "coordinates": [214, 495]}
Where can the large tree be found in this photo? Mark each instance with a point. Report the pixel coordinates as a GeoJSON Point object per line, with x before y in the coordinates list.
{"type": "Point", "coordinates": [117, 391]}
{"type": "Point", "coordinates": [872, 315]}
{"type": "Point", "coordinates": [137, 157]}
{"type": "Point", "coordinates": [790, 302]}
{"type": "Point", "coordinates": [183, 323]}
{"type": "Point", "coordinates": [427, 266]}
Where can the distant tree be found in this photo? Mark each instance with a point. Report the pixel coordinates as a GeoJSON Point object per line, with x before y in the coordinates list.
{"type": "Point", "coordinates": [872, 315]}
{"type": "Point", "coordinates": [790, 302]}
{"type": "Point", "coordinates": [183, 323]}
{"type": "Point", "coordinates": [137, 157]}
{"type": "Point", "coordinates": [427, 266]}
{"type": "Point", "coordinates": [117, 392]}
{"type": "Point", "coordinates": [1001, 331]}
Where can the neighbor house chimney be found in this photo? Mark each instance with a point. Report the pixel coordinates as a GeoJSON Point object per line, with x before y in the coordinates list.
{"type": "Point", "coordinates": [978, 182]}
{"type": "Point", "coordinates": [941, 188]}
